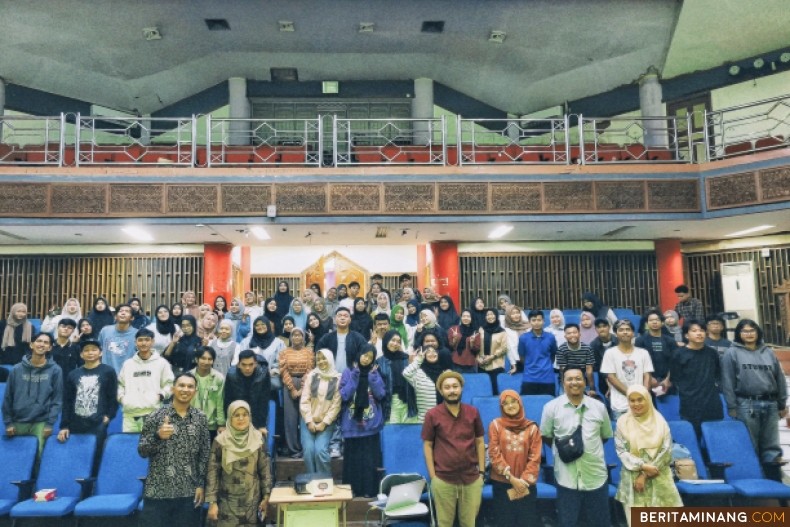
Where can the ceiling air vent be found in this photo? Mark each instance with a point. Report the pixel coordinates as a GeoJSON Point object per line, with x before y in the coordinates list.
{"type": "Point", "coordinates": [217, 24]}
{"type": "Point", "coordinates": [381, 232]}
{"type": "Point", "coordinates": [433, 26]}
{"type": "Point", "coordinates": [284, 75]}
{"type": "Point", "coordinates": [286, 26]}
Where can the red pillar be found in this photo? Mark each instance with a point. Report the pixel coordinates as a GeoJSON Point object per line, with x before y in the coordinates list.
{"type": "Point", "coordinates": [422, 263]}
{"type": "Point", "coordinates": [217, 272]}
{"type": "Point", "coordinates": [246, 269]}
{"type": "Point", "coordinates": [670, 271]}
{"type": "Point", "coordinates": [444, 270]}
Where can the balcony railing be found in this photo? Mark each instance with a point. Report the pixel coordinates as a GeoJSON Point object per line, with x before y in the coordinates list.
{"type": "Point", "coordinates": [330, 141]}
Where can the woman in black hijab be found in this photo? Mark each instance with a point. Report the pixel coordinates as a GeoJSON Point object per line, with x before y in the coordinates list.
{"type": "Point", "coordinates": [592, 303]}
{"type": "Point", "coordinates": [342, 292]}
{"type": "Point", "coordinates": [447, 316]}
{"type": "Point", "coordinates": [271, 310]}
{"type": "Point", "coordinates": [85, 330]}
{"type": "Point", "coordinates": [176, 312]}
{"type": "Point", "coordinates": [283, 298]}
{"type": "Point", "coordinates": [315, 330]}
{"type": "Point", "coordinates": [182, 355]}
{"type": "Point", "coordinates": [478, 311]}
{"type": "Point", "coordinates": [434, 369]}
{"type": "Point", "coordinates": [100, 316]}
{"type": "Point", "coordinates": [140, 319]}
{"type": "Point", "coordinates": [285, 333]}
{"type": "Point", "coordinates": [360, 318]}
{"type": "Point", "coordinates": [400, 407]}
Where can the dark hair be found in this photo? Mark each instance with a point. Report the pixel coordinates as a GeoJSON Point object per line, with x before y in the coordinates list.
{"type": "Point", "coordinates": [622, 321]}
{"type": "Point", "coordinates": [661, 317]}
{"type": "Point", "coordinates": [601, 322]}
{"type": "Point", "coordinates": [535, 313]}
{"type": "Point", "coordinates": [120, 306]}
{"type": "Point", "coordinates": [344, 286]}
{"type": "Point", "coordinates": [377, 276]}
{"type": "Point", "coordinates": [49, 335]}
{"type": "Point", "coordinates": [202, 350]}
{"type": "Point", "coordinates": [381, 316]}
{"type": "Point", "coordinates": [352, 284]}
{"type": "Point", "coordinates": [716, 317]}
{"type": "Point", "coordinates": [404, 276]}
{"type": "Point", "coordinates": [434, 335]}
{"type": "Point", "coordinates": [185, 374]}
{"type": "Point", "coordinates": [572, 325]}
{"type": "Point", "coordinates": [143, 332]}
{"type": "Point", "coordinates": [572, 367]}
{"type": "Point", "coordinates": [748, 322]}
{"type": "Point", "coordinates": [342, 308]}
{"type": "Point", "coordinates": [67, 322]}
{"type": "Point", "coordinates": [246, 354]}
{"type": "Point", "coordinates": [90, 342]}
{"type": "Point", "coordinates": [682, 289]}
{"type": "Point", "coordinates": [693, 322]}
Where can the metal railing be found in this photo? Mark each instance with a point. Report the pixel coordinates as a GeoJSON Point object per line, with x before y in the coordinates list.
{"type": "Point", "coordinates": [30, 140]}
{"type": "Point", "coordinates": [634, 140]}
{"type": "Point", "coordinates": [389, 141]}
{"type": "Point", "coordinates": [512, 141]}
{"type": "Point", "coordinates": [747, 128]}
{"type": "Point", "coordinates": [262, 141]}
{"type": "Point", "coordinates": [135, 140]}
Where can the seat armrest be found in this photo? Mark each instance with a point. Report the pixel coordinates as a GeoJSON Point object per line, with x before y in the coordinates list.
{"type": "Point", "coordinates": [142, 478]}
{"type": "Point", "coordinates": [776, 463]}
{"type": "Point", "coordinates": [25, 489]}
{"type": "Point", "coordinates": [548, 474]}
{"type": "Point", "coordinates": [717, 470]}
{"type": "Point", "coordinates": [87, 486]}
{"type": "Point", "coordinates": [609, 468]}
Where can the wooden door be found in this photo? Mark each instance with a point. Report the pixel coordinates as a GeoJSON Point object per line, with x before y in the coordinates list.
{"type": "Point", "coordinates": [347, 271]}
{"type": "Point", "coordinates": [313, 275]}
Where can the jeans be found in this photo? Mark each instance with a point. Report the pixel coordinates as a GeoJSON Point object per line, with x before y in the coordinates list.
{"type": "Point", "coordinates": [450, 499]}
{"type": "Point", "coordinates": [169, 512]}
{"type": "Point", "coordinates": [593, 505]}
{"type": "Point", "coordinates": [464, 369]}
{"type": "Point", "coordinates": [315, 447]}
{"type": "Point", "coordinates": [762, 420]}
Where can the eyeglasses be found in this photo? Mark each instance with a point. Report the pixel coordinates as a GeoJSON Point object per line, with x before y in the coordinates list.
{"type": "Point", "coordinates": [748, 331]}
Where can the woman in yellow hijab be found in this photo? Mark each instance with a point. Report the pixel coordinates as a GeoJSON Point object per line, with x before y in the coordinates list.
{"type": "Point", "coordinates": [644, 446]}
{"type": "Point", "coordinates": [239, 476]}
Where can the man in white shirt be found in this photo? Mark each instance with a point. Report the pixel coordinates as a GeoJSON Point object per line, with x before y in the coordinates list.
{"type": "Point", "coordinates": [625, 365]}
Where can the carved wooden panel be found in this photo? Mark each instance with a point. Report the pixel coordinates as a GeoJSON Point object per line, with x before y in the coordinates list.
{"type": "Point", "coordinates": [78, 199]}
{"type": "Point", "coordinates": [23, 198]}
{"type": "Point", "coordinates": [571, 196]}
{"type": "Point", "coordinates": [472, 197]}
{"type": "Point", "coordinates": [134, 198]}
{"type": "Point", "coordinates": [736, 189]}
{"type": "Point", "coordinates": [314, 274]}
{"type": "Point", "coordinates": [46, 280]}
{"type": "Point", "coordinates": [409, 197]}
{"type": "Point", "coordinates": [704, 281]}
{"type": "Point", "coordinates": [558, 280]}
{"type": "Point", "coordinates": [620, 195]}
{"type": "Point", "coordinates": [309, 198]}
{"type": "Point", "coordinates": [775, 183]}
{"type": "Point", "coordinates": [246, 198]}
{"type": "Point", "coordinates": [349, 197]}
{"type": "Point", "coordinates": [521, 197]}
{"type": "Point", "coordinates": [673, 195]}
{"type": "Point", "coordinates": [192, 199]}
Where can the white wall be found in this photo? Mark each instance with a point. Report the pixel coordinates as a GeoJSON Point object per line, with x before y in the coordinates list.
{"type": "Point", "coordinates": [101, 249]}
{"type": "Point", "coordinates": [294, 260]}
{"type": "Point", "coordinates": [751, 91]}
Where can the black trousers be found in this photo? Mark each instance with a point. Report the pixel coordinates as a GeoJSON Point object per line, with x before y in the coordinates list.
{"type": "Point", "coordinates": [169, 512]}
{"type": "Point", "coordinates": [538, 388]}
{"type": "Point", "coordinates": [515, 513]}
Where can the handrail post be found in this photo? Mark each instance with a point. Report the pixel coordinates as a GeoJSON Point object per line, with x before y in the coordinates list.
{"type": "Point", "coordinates": [62, 146]}
{"type": "Point", "coordinates": [194, 140]}
{"type": "Point", "coordinates": [208, 141]}
{"type": "Point", "coordinates": [582, 145]}
{"type": "Point", "coordinates": [334, 142]}
{"type": "Point", "coordinates": [706, 134]}
{"type": "Point", "coordinates": [690, 132]}
{"type": "Point", "coordinates": [568, 139]}
{"type": "Point", "coordinates": [458, 139]}
{"type": "Point", "coordinates": [77, 139]}
{"type": "Point", "coordinates": [444, 140]}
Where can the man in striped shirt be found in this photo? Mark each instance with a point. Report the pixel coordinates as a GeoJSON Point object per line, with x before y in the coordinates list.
{"type": "Point", "coordinates": [574, 352]}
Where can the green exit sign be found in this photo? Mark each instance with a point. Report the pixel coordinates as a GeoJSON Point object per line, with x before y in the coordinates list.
{"type": "Point", "coordinates": [331, 87]}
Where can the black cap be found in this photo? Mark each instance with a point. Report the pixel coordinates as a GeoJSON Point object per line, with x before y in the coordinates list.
{"type": "Point", "coordinates": [85, 342]}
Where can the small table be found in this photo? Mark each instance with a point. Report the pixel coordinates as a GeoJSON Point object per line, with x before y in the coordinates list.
{"type": "Point", "coordinates": [287, 500]}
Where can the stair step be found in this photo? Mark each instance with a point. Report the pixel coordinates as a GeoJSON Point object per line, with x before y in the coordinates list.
{"type": "Point", "coordinates": [287, 468]}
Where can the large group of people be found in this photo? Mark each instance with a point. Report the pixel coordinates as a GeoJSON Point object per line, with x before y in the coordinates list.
{"type": "Point", "coordinates": [196, 383]}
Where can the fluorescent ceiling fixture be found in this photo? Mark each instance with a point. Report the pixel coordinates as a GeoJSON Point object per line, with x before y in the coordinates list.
{"type": "Point", "coordinates": [260, 233]}
{"type": "Point", "coordinates": [753, 229]}
{"type": "Point", "coordinates": [137, 232]}
{"type": "Point", "coordinates": [500, 231]}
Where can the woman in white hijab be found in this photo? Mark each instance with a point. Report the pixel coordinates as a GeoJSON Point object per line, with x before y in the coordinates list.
{"type": "Point", "coordinates": [71, 309]}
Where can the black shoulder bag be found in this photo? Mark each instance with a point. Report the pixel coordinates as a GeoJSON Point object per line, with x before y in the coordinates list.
{"type": "Point", "coordinates": [571, 448]}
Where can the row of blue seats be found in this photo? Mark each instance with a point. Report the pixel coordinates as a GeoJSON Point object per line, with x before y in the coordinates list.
{"type": "Point", "coordinates": [575, 315]}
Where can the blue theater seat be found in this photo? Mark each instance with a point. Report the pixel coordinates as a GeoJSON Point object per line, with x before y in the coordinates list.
{"type": "Point", "coordinates": [669, 407]}
{"type": "Point", "coordinates": [116, 425]}
{"type": "Point", "coordinates": [401, 450]}
{"type": "Point", "coordinates": [17, 455]}
{"type": "Point", "coordinates": [623, 312]}
{"type": "Point", "coordinates": [683, 433]}
{"type": "Point", "coordinates": [489, 410]}
{"type": "Point", "coordinates": [533, 406]}
{"type": "Point", "coordinates": [476, 385]}
{"type": "Point", "coordinates": [505, 381]}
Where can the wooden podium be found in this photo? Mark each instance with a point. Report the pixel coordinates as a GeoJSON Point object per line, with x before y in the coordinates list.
{"type": "Point", "coordinates": [294, 510]}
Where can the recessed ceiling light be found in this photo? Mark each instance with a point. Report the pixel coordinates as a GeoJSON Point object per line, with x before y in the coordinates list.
{"type": "Point", "coordinates": [497, 37]}
{"type": "Point", "coordinates": [735, 70]}
{"type": "Point", "coordinates": [366, 27]}
{"type": "Point", "coordinates": [217, 24]}
{"type": "Point", "coordinates": [759, 63]}
{"type": "Point", "coordinates": [433, 26]}
{"type": "Point", "coordinates": [260, 233]}
{"type": "Point", "coordinates": [152, 33]}
{"type": "Point", "coordinates": [784, 57]}
{"type": "Point", "coordinates": [287, 26]}
{"type": "Point", "coordinates": [752, 230]}
{"type": "Point", "coordinates": [199, 225]}
{"type": "Point", "coordinates": [500, 231]}
{"type": "Point", "coordinates": [137, 232]}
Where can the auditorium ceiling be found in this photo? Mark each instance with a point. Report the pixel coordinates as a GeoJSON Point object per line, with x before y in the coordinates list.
{"type": "Point", "coordinates": [553, 51]}
{"type": "Point", "coordinates": [295, 232]}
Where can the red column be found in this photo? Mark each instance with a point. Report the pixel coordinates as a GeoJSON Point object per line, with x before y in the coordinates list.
{"type": "Point", "coordinates": [670, 271]}
{"type": "Point", "coordinates": [444, 270]}
{"type": "Point", "coordinates": [422, 263]}
{"type": "Point", "coordinates": [217, 272]}
{"type": "Point", "coordinates": [246, 268]}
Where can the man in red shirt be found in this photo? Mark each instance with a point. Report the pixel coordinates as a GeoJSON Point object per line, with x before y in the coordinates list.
{"type": "Point", "coordinates": [454, 453]}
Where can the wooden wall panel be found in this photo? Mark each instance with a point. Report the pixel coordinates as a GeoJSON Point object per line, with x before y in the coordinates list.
{"type": "Point", "coordinates": [557, 280]}
{"type": "Point", "coordinates": [45, 281]}
{"type": "Point", "coordinates": [704, 281]}
{"type": "Point", "coordinates": [266, 285]}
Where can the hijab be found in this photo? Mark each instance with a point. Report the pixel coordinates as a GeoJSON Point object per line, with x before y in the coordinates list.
{"type": "Point", "coordinates": [342, 292]}
{"type": "Point", "coordinates": [100, 318]}
{"type": "Point", "coordinates": [430, 295]}
{"type": "Point", "coordinates": [478, 315]}
{"type": "Point", "coordinates": [282, 331]}
{"type": "Point", "coordinates": [318, 287]}
{"type": "Point", "coordinates": [136, 315]}
{"type": "Point", "coordinates": [311, 297]}
{"type": "Point", "coordinates": [386, 310]}
{"type": "Point", "coordinates": [361, 397]}
{"type": "Point", "coordinates": [236, 316]}
{"type": "Point", "coordinates": [283, 299]}
{"type": "Point", "coordinates": [200, 317]}
{"type": "Point", "coordinates": [228, 341]}
{"type": "Point", "coordinates": [443, 363]}
{"type": "Point", "coordinates": [299, 320]}
{"type": "Point", "coordinates": [331, 305]}
{"type": "Point", "coordinates": [508, 302]}
{"type": "Point", "coordinates": [205, 330]}
{"type": "Point", "coordinates": [318, 332]}
{"type": "Point", "coordinates": [274, 316]}
{"type": "Point", "coordinates": [398, 327]}
{"type": "Point", "coordinates": [360, 320]}
{"type": "Point", "coordinates": [598, 309]}
{"type": "Point", "coordinates": [412, 295]}
{"type": "Point", "coordinates": [561, 325]}
{"type": "Point", "coordinates": [76, 316]}
{"type": "Point", "coordinates": [238, 444]}
{"type": "Point", "coordinates": [490, 329]}
{"type": "Point", "coordinates": [588, 334]}
{"type": "Point", "coordinates": [448, 317]}
{"type": "Point", "coordinates": [194, 309]}
{"type": "Point", "coordinates": [646, 432]}
{"type": "Point", "coordinates": [174, 318]}
{"type": "Point", "coordinates": [414, 319]}
{"type": "Point", "coordinates": [323, 314]}
{"type": "Point", "coordinates": [398, 362]}
{"type": "Point", "coordinates": [12, 323]}
{"type": "Point", "coordinates": [262, 340]}
{"type": "Point", "coordinates": [330, 373]}
{"type": "Point", "coordinates": [467, 330]}
{"type": "Point", "coordinates": [675, 331]}
{"type": "Point", "coordinates": [190, 341]}
{"type": "Point", "coordinates": [431, 318]}
{"type": "Point", "coordinates": [516, 424]}
{"type": "Point", "coordinates": [167, 327]}
{"type": "Point", "coordinates": [520, 327]}
{"type": "Point", "coordinates": [86, 336]}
